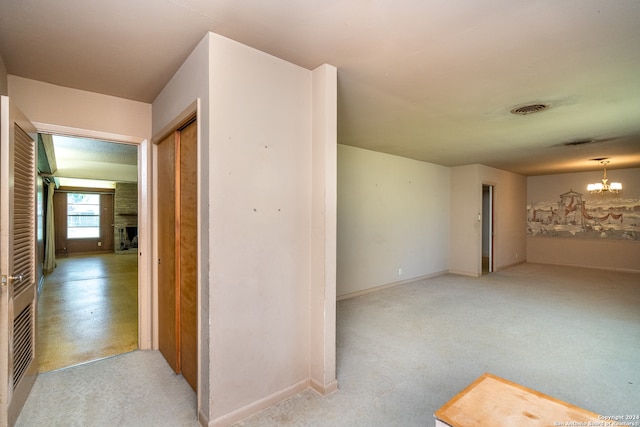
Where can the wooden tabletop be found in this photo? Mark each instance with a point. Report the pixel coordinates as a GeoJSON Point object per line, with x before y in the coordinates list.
{"type": "Point", "coordinates": [495, 402]}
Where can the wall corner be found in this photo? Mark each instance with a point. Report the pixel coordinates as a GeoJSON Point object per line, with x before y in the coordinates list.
{"type": "Point", "coordinates": [322, 281]}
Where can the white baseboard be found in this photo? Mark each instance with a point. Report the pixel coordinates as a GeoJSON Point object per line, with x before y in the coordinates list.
{"type": "Point", "coordinates": [326, 389]}
{"type": "Point", "coordinates": [203, 420]}
{"type": "Point", "coordinates": [257, 406]}
{"type": "Point", "coordinates": [524, 261]}
{"type": "Point", "coordinates": [464, 273]}
{"type": "Point", "coordinates": [562, 264]}
{"type": "Point", "coordinates": [388, 285]}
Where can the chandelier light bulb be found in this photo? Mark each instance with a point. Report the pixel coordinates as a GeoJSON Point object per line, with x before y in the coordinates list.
{"type": "Point", "coordinates": [604, 186]}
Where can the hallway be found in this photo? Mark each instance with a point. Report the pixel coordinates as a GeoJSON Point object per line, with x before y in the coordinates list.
{"type": "Point", "coordinates": [88, 310]}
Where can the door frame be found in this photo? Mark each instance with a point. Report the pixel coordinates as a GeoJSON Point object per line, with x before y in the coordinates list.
{"type": "Point", "coordinates": [186, 115]}
{"type": "Point", "coordinates": [145, 318]}
{"type": "Point", "coordinates": [487, 224]}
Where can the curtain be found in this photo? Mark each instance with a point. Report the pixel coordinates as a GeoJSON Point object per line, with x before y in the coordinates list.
{"type": "Point", "coordinates": [50, 236]}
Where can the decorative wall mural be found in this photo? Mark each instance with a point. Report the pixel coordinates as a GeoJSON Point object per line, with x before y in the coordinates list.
{"type": "Point", "coordinates": [572, 216]}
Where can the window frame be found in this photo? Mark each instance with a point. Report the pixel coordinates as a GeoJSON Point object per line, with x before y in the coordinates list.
{"type": "Point", "coordinates": [70, 215]}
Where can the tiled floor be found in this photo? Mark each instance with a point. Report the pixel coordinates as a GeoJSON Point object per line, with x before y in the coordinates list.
{"type": "Point", "coordinates": [88, 310]}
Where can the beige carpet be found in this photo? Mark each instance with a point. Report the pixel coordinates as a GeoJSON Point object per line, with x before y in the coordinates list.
{"type": "Point", "coordinates": [133, 389]}
{"type": "Point", "coordinates": [403, 352]}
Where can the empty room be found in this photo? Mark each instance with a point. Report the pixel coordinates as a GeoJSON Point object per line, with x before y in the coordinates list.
{"type": "Point", "coordinates": [385, 214]}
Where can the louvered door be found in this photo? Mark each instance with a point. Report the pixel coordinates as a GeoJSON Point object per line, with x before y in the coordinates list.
{"type": "Point", "coordinates": [18, 368]}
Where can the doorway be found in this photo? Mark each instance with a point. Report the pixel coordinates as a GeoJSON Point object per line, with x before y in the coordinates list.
{"type": "Point", "coordinates": [89, 304]}
{"type": "Point", "coordinates": [88, 310]}
{"type": "Point", "coordinates": [487, 228]}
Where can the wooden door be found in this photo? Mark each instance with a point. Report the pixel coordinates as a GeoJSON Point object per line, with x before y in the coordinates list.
{"type": "Point", "coordinates": [167, 301]}
{"type": "Point", "coordinates": [18, 294]}
{"type": "Point", "coordinates": [177, 250]}
{"type": "Point", "coordinates": [188, 250]}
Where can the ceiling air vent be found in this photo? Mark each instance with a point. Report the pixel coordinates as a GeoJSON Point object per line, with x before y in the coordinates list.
{"type": "Point", "coordinates": [577, 142]}
{"type": "Point", "coordinates": [529, 109]}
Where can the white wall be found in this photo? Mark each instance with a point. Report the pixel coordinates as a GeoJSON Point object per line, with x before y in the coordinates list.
{"type": "Point", "coordinates": [466, 230]}
{"type": "Point", "coordinates": [393, 213]}
{"type": "Point", "coordinates": [260, 128]}
{"type": "Point", "coordinates": [586, 252]}
{"type": "Point", "coordinates": [61, 110]}
{"type": "Point", "coordinates": [3, 78]}
{"type": "Point", "coordinates": [549, 187]}
{"type": "Point", "coordinates": [77, 109]}
{"type": "Point", "coordinates": [260, 163]}
{"type": "Point", "coordinates": [509, 229]}
{"type": "Point", "coordinates": [509, 210]}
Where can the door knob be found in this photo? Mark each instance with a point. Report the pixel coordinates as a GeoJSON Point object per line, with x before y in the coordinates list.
{"type": "Point", "coordinates": [17, 278]}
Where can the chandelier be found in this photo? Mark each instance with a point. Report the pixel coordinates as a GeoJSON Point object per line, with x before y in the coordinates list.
{"type": "Point", "coordinates": [604, 186]}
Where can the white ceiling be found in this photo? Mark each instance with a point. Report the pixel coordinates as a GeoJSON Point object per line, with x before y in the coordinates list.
{"type": "Point", "coordinates": [433, 80]}
{"type": "Point", "coordinates": [95, 160]}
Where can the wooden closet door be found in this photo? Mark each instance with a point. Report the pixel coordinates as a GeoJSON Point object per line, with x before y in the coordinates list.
{"type": "Point", "coordinates": [188, 262]}
{"type": "Point", "coordinates": [167, 283]}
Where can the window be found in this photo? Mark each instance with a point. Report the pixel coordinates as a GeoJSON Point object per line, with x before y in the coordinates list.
{"type": "Point", "coordinates": [83, 215]}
